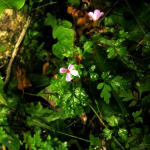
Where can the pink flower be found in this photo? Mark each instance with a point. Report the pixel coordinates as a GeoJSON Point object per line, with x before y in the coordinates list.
{"type": "Point", "coordinates": [69, 72]}
{"type": "Point", "coordinates": [96, 15]}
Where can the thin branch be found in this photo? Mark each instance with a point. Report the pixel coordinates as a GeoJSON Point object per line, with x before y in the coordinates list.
{"type": "Point", "coordinates": [102, 123]}
{"type": "Point", "coordinates": [14, 53]}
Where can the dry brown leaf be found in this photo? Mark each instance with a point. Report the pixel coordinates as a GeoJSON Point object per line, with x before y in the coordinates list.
{"type": "Point", "coordinates": [22, 79]}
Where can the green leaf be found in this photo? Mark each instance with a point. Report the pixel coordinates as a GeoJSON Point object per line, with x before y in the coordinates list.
{"type": "Point", "coordinates": [107, 87]}
{"type": "Point", "coordinates": [3, 116]}
{"type": "Point", "coordinates": [39, 80]}
{"type": "Point", "coordinates": [136, 130]}
{"type": "Point", "coordinates": [105, 75]}
{"type": "Point", "coordinates": [34, 141]}
{"type": "Point", "coordinates": [87, 46]}
{"type": "Point", "coordinates": [111, 53]}
{"type": "Point", "coordinates": [119, 42]}
{"type": "Point", "coordinates": [12, 143]}
{"type": "Point", "coordinates": [122, 51]}
{"type": "Point", "coordinates": [37, 138]}
{"type": "Point", "coordinates": [50, 20]}
{"type": "Point", "coordinates": [143, 85]}
{"type": "Point", "coordinates": [127, 94]}
{"type": "Point", "coordinates": [58, 50]}
{"type": "Point", "coordinates": [138, 119]}
{"type": "Point", "coordinates": [94, 76]}
{"type": "Point", "coordinates": [95, 141]}
{"type": "Point", "coordinates": [67, 95]}
{"type": "Point", "coordinates": [90, 148]}
{"type": "Point", "coordinates": [118, 83]}
{"type": "Point", "coordinates": [112, 121]}
{"type": "Point", "coordinates": [108, 133]}
{"type": "Point", "coordinates": [105, 93]}
{"type": "Point", "coordinates": [9, 4]}
{"type": "Point", "coordinates": [92, 68]}
{"type": "Point", "coordinates": [137, 113]}
{"type": "Point", "coordinates": [2, 99]}
{"type": "Point", "coordinates": [136, 116]}
{"type": "Point", "coordinates": [66, 24]}
{"type": "Point", "coordinates": [62, 146]}
{"type": "Point", "coordinates": [64, 46]}
{"type": "Point", "coordinates": [133, 103]}
{"type": "Point", "coordinates": [2, 94]}
{"type": "Point", "coordinates": [3, 135]}
{"type": "Point", "coordinates": [37, 110]}
{"type": "Point", "coordinates": [63, 32]}
{"type": "Point", "coordinates": [100, 86]}
{"type": "Point", "coordinates": [56, 115]}
{"type": "Point", "coordinates": [123, 133]}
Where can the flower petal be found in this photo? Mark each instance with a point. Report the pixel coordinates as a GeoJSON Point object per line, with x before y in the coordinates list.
{"type": "Point", "coordinates": [91, 15]}
{"type": "Point", "coordinates": [63, 70]}
{"type": "Point", "coordinates": [74, 72]}
{"type": "Point", "coordinates": [68, 77]}
{"type": "Point", "coordinates": [97, 13]}
{"type": "Point", "coordinates": [70, 67]}
{"type": "Point", "coordinates": [101, 14]}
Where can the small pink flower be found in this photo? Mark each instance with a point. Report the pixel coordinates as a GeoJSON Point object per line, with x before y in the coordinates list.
{"type": "Point", "coordinates": [96, 15]}
{"type": "Point", "coordinates": [69, 72]}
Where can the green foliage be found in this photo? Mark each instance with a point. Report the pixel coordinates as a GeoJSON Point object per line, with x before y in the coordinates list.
{"type": "Point", "coordinates": [95, 141]}
{"type": "Point", "coordinates": [117, 51]}
{"type": "Point", "coordinates": [123, 133]}
{"type": "Point", "coordinates": [127, 95]}
{"type": "Point", "coordinates": [44, 114]}
{"type": "Point", "coordinates": [111, 53]}
{"type": "Point", "coordinates": [50, 20]}
{"type": "Point", "coordinates": [71, 100]}
{"type": "Point", "coordinates": [87, 46]}
{"type": "Point", "coordinates": [64, 46]}
{"type": "Point", "coordinates": [106, 93]}
{"type": "Point", "coordinates": [108, 133]}
{"type": "Point", "coordinates": [3, 118]}
{"type": "Point", "coordinates": [12, 142]}
{"type": "Point", "coordinates": [7, 4]}
{"type": "Point", "coordinates": [112, 121]}
{"type": "Point", "coordinates": [35, 142]}
{"type": "Point", "coordinates": [143, 86]}
{"type": "Point", "coordinates": [119, 83]}
{"type": "Point", "coordinates": [2, 94]}
{"type": "Point", "coordinates": [94, 76]}
{"type": "Point", "coordinates": [136, 116]}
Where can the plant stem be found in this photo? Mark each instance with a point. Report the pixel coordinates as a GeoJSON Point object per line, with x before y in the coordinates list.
{"type": "Point", "coordinates": [48, 128]}
{"type": "Point", "coordinates": [43, 5]}
{"type": "Point", "coordinates": [101, 121]}
{"type": "Point", "coordinates": [14, 53]}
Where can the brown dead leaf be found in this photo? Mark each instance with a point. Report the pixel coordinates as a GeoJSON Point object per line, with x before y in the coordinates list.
{"type": "Point", "coordinates": [22, 79]}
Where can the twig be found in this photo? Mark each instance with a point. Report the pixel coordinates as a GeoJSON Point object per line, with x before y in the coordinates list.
{"type": "Point", "coordinates": [14, 53]}
{"type": "Point", "coordinates": [102, 122]}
